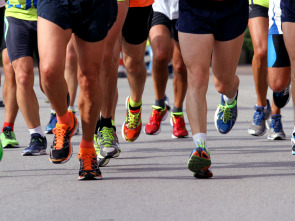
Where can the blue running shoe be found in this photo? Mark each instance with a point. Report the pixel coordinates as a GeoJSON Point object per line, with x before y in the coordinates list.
{"type": "Point", "coordinates": [276, 131]}
{"type": "Point", "coordinates": [51, 125]}
{"type": "Point", "coordinates": [282, 98]}
{"type": "Point", "coordinates": [293, 143]}
{"type": "Point", "coordinates": [258, 125]}
{"type": "Point", "coordinates": [226, 116]}
{"type": "Point", "coordinates": [37, 146]}
{"type": "Point", "coordinates": [200, 161]}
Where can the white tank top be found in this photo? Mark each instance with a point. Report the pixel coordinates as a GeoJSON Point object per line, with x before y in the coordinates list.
{"type": "Point", "coordinates": [167, 7]}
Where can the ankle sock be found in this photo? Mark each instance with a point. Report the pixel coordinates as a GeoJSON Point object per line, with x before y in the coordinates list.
{"type": "Point", "coordinates": [176, 109]}
{"type": "Point", "coordinates": [200, 138]}
{"type": "Point", "coordinates": [134, 105]}
{"type": "Point", "coordinates": [86, 144]}
{"type": "Point", "coordinates": [7, 124]}
{"type": "Point", "coordinates": [37, 130]}
{"type": "Point", "coordinates": [229, 100]}
{"type": "Point", "coordinates": [105, 122]}
{"type": "Point", "coordinates": [65, 119]}
{"type": "Point", "coordinates": [160, 103]}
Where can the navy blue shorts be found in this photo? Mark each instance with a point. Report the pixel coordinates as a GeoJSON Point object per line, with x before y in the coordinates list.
{"type": "Point", "coordinates": [20, 38]}
{"type": "Point", "coordinates": [277, 55]}
{"type": "Point", "coordinates": [288, 10]}
{"type": "Point", "coordinates": [226, 20]}
{"type": "Point", "coordinates": [161, 19]}
{"type": "Point", "coordinates": [90, 20]}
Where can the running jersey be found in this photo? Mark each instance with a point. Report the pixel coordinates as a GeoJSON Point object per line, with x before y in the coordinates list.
{"type": "Point", "coordinates": [167, 7]}
{"type": "Point", "coordinates": [274, 14]}
{"type": "Point", "coordinates": [2, 3]}
{"type": "Point", "coordinates": [141, 3]}
{"type": "Point", "coordinates": [263, 3]}
{"type": "Point", "coordinates": [22, 9]}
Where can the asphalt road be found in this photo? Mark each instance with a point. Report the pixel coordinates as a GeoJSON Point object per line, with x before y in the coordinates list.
{"type": "Point", "coordinates": [253, 179]}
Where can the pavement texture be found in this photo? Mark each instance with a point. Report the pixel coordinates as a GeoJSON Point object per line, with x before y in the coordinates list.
{"type": "Point", "coordinates": [253, 177]}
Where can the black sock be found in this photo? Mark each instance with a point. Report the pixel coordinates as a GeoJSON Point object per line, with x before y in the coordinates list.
{"type": "Point", "coordinates": [134, 108]}
{"type": "Point", "coordinates": [97, 126]}
{"type": "Point", "coordinates": [176, 109]}
{"type": "Point", "coordinates": [160, 103]}
{"type": "Point", "coordinates": [105, 122]}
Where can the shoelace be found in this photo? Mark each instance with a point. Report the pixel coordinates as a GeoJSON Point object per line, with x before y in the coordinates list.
{"type": "Point", "coordinates": [87, 160]}
{"type": "Point", "coordinates": [226, 110]}
{"type": "Point", "coordinates": [276, 124]}
{"type": "Point", "coordinates": [8, 133]}
{"type": "Point", "coordinates": [203, 145]}
{"type": "Point", "coordinates": [155, 118]}
{"type": "Point", "coordinates": [132, 120]}
{"type": "Point", "coordinates": [258, 116]}
{"type": "Point", "coordinates": [59, 132]}
{"type": "Point", "coordinates": [106, 136]}
{"type": "Point", "coordinates": [36, 140]}
{"type": "Point", "coordinates": [179, 122]}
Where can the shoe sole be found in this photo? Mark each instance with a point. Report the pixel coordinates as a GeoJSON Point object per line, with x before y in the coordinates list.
{"type": "Point", "coordinates": [90, 177]}
{"type": "Point", "coordinates": [11, 146]}
{"type": "Point", "coordinates": [253, 133]}
{"type": "Point", "coordinates": [276, 138]}
{"type": "Point", "coordinates": [48, 132]}
{"type": "Point", "coordinates": [159, 130]}
{"type": "Point", "coordinates": [54, 161]}
{"type": "Point", "coordinates": [197, 164]}
{"type": "Point", "coordinates": [42, 152]}
{"type": "Point", "coordinates": [122, 128]}
{"type": "Point", "coordinates": [103, 161]}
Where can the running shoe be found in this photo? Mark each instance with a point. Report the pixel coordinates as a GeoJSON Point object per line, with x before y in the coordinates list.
{"type": "Point", "coordinates": [226, 116]}
{"type": "Point", "coordinates": [77, 128]}
{"type": "Point", "coordinates": [200, 161]}
{"type": "Point", "coordinates": [178, 124]}
{"type": "Point", "coordinates": [108, 141]}
{"type": "Point", "coordinates": [258, 125]}
{"type": "Point", "coordinates": [37, 146]}
{"type": "Point", "coordinates": [1, 151]}
{"type": "Point", "coordinates": [153, 127]}
{"type": "Point", "coordinates": [282, 98]}
{"type": "Point", "coordinates": [51, 125]}
{"type": "Point", "coordinates": [276, 131]}
{"type": "Point", "coordinates": [167, 103]}
{"type": "Point", "coordinates": [61, 149]}
{"type": "Point", "coordinates": [102, 161]}
{"type": "Point", "coordinates": [8, 139]}
{"type": "Point", "coordinates": [293, 143]}
{"type": "Point", "coordinates": [131, 128]}
{"type": "Point", "coordinates": [89, 169]}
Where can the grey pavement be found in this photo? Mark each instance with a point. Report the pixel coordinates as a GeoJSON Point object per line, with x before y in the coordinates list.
{"type": "Point", "coordinates": [253, 177]}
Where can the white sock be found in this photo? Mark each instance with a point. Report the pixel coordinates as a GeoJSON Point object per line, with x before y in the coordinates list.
{"type": "Point", "coordinates": [200, 138]}
{"type": "Point", "coordinates": [37, 130]}
{"type": "Point", "coordinates": [265, 107]}
{"type": "Point", "coordinates": [229, 100]}
{"type": "Point", "coordinates": [52, 111]}
{"type": "Point", "coordinates": [71, 108]}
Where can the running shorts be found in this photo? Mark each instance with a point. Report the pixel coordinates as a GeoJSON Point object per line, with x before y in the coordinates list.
{"type": "Point", "coordinates": [137, 24]}
{"type": "Point", "coordinates": [258, 11]}
{"type": "Point", "coordinates": [288, 10]}
{"type": "Point", "coordinates": [226, 20]}
{"type": "Point", "coordinates": [20, 38]}
{"type": "Point", "coordinates": [90, 20]}
{"type": "Point", "coordinates": [161, 19]}
{"type": "Point", "coordinates": [277, 55]}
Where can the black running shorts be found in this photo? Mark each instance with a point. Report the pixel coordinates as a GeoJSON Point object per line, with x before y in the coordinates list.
{"type": "Point", "coordinates": [257, 11]}
{"type": "Point", "coordinates": [161, 19]}
{"type": "Point", "coordinates": [277, 55]}
{"type": "Point", "coordinates": [20, 38]}
{"type": "Point", "coordinates": [137, 25]}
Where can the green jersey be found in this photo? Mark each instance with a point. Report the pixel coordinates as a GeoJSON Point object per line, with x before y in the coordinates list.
{"type": "Point", "coordinates": [22, 9]}
{"type": "Point", "coordinates": [263, 3]}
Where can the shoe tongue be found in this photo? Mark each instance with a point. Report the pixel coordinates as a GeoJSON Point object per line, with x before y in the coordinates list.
{"type": "Point", "coordinates": [87, 150]}
{"type": "Point", "coordinates": [135, 111]}
{"type": "Point", "coordinates": [62, 126]}
{"type": "Point", "coordinates": [261, 108]}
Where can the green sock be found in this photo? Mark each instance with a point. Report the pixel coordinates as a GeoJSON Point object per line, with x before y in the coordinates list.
{"type": "Point", "coordinates": [134, 104]}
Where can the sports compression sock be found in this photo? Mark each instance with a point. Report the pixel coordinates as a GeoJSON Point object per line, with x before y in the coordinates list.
{"type": "Point", "coordinates": [7, 124]}
{"type": "Point", "coordinates": [65, 119]}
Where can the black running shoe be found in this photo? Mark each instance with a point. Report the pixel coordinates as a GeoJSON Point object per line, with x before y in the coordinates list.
{"type": "Point", "coordinates": [282, 98]}
{"type": "Point", "coordinates": [89, 169]}
{"type": "Point", "coordinates": [37, 146]}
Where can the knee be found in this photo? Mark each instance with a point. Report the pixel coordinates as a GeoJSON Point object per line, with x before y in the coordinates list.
{"type": "Point", "coordinates": [88, 79]}
{"type": "Point", "coordinates": [50, 75]}
{"type": "Point", "coordinates": [134, 66]}
{"type": "Point", "coordinates": [24, 79]}
{"type": "Point", "coordinates": [180, 69]}
{"type": "Point", "coordinates": [198, 80]}
{"type": "Point", "coordinates": [260, 53]}
{"type": "Point", "coordinates": [161, 57]}
{"type": "Point", "coordinates": [278, 85]}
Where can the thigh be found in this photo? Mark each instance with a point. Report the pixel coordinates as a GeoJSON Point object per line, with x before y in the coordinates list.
{"type": "Point", "coordinates": [21, 38]}
{"type": "Point", "coordinates": [133, 54]}
{"type": "Point", "coordinates": [258, 27]}
{"type": "Point", "coordinates": [225, 58]}
{"type": "Point", "coordinates": [137, 24]}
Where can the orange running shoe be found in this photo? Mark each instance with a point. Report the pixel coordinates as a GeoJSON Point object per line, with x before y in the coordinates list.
{"type": "Point", "coordinates": [89, 169]}
{"type": "Point", "coordinates": [131, 128]}
{"type": "Point", "coordinates": [178, 124]}
{"type": "Point", "coordinates": [153, 127]}
{"type": "Point", "coordinates": [61, 149]}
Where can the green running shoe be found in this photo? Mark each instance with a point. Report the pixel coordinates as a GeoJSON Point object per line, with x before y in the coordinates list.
{"type": "Point", "coordinates": [1, 151]}
{"type": "Point", "coordinates": [102, 161]}
{"type": "Point", "coordinates": [200, 161]}
{"type": "Point", "coordinates": [8, 139]}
